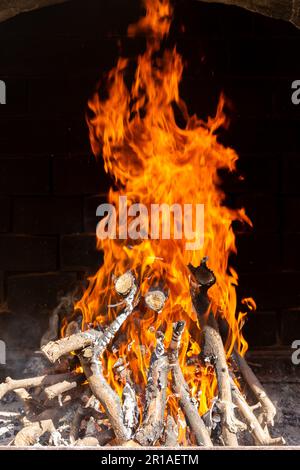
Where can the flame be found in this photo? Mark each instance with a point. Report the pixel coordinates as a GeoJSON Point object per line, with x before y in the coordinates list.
{"type": "Point", "coordinates": [155, 160]}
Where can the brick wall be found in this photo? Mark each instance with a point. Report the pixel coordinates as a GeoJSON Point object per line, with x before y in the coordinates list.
{"type": "Point", "coordinates": [50, 185]}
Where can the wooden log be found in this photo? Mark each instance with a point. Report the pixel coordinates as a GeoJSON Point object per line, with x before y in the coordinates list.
{"type": "Point", "coordinates": [31, 433]}
{"type": "Point", "coordinates": [49, 393]}
{"type": "Point", "coordinates": [92, 368]}
{"type": "Point", "coordinates": [152, 426]}
{"type": "Point", "coordinates": [260, 436]}
{"type": "Point", "coordinates": [130, 408]}
{"type": "Point", "coordinates": [181, 389]}
{"type": "Point", "coordinates": [212, 349]}
{"type": "Point", "coordinates": [155, 300]}
{"type": "Point", "coordinates": [268, 409]}
{"type": "Point", "coordinates": [56, 349]}
{"type": "Point", "coordinates": [171, 433]}
{"type": "Point", "coordinates": [43, 380]}
{"type": "Point", "coordinates": [124, 283]}
{"type": "Point", "coordinates": [109, 333]}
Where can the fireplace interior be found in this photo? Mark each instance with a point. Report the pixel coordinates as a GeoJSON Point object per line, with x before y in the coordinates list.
{"type": "Point", "coordinates": [51, 184]}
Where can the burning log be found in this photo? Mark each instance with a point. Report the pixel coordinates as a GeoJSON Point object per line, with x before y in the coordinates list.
{"type": "Point", "coordinates": [92, 368]}
{"type": "Point", "coordinates": [155, 300]}
{"type": "Point", "coordinates": [268, 409]}
{"type": "Point", "coordinates": [181, 389]}
{"type": "Point", "coordinates": [212, 350]}
{"type": "Point", "coordinates": [171, 433]}
{"type": "Point", "coordinates": [124, 283]}
{"type": "Point", "coordinates": [43, 380]}
{"type": "Point", "coordinates": [61, 387]}
{"type": "Point", "coordinates": [130, 408]}
{"type": "Point", "coordinates": [55, 349]}
{"type": "Point", "coordinates": [151, 429]}
{"type": "Point", "coordinates": [110, 332]}
{"type": "Point", "coordinates": [261, 437]}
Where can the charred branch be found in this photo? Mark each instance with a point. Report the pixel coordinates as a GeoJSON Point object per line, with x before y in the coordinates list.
{"type": "Point", "coordinates": [43, 380]}
{"type": "Point", "coordinates": [59, 388]}
{"type": "Point", "coordinates": [56, 349]}
{"type": "Point", "coordinates": [92, 368]}
{"type": "Point", "coordinates": [171, 433]}
{"type": "Point", "coordinates": [181, 389]}
{"type": "Point", "coordinates": [151, 429]}
{"type": "Point", "coordinates": [155, 300]}
{"type": "Point", "coordinates": [260, 436]}
{"type": "Point", "coordinates": [268, 409]}
{"type": "Point", "coordinates": [212, 349]}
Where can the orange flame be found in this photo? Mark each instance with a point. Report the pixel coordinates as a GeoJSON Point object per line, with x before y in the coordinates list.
{"type": "Point", "coordinates": [154, 160]}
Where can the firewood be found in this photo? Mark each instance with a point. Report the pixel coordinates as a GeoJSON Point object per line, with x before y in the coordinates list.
{"type": "Point", "coordinates": [31, 433]}
{"type": "Point", "coordinates": [171, 433]}
{"type": "Point", "coordinates": [43, 380]}
{"type": "Point", "coordinates": [260, 436]}
{"type": "Point", "coordinates": [55, 349]}
{"type": "Point", "coordinates": [155, 300]}
{"type": "Point", "coordinates": [130, 408]}
{"type": "Point", "coordinates": [130, 301]}
{"type": "Point", "coordinates": [181, 389]}
{"type": "Point", "coordinates": [151, 428]}
{"type": "Point", "coordinates": [92, 368]}
{"type": "Point", "coordinates": [268, 409]}
{"type": "Point", "coordinates": [124, 283]}
{"type": "Point", "coordinates": [212, 350]}
{"type": "Point", "coordinates": [61, 387]}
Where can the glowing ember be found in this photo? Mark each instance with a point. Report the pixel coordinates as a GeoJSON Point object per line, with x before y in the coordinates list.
{"type": "Point", "coordinates": [153, 161]}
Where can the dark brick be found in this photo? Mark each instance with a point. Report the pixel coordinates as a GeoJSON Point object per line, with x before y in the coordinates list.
{"type": "Point", "coordinates": [22, 335]}
{"type": "Point", "coordinates": [90, 207]}
{"type": "Point", "coordinates": [263, 57]}
{"type": "Point", "coordinates": [263, 211]}
{"type": "Point", "coordinates": [272, 291]}
{"type": "Point", "coordinates": [291, 208]}
{"type": "Point", "coordinates": [47, 215]}
{"type": "Point", "coordinates": [79, 175]}
{"type": "Point", "coordinates": [255, 174]}
{"type": "Point", "coordinates": [291, 171]}
{"type": "Point", "coordinates": [290, 326]}
{"type": "Point", "coordinates": [257, 251]}
{"type": "Point", "coordinates": [291, 252]}
{"type": "Point", "coordinates": [1, 287]}
{"type": "Point", "coordinates": [282, 104]}
{"type": "Point", "coordinates": [24, 175]}
{"type": "Point", "coordinates": [34, 135]}
{"type": "Point", "coordinates": [262, 136]}
{"type": "Point", "coordinates": [16, 97]}
{"type": "Point", "coordinates": [78, 253]}
{"type": "Point", "coordinates": [4, 214]}
{"type": "Point", "coordinates": [37, 294]}
{"type": "Point", "coordinates": [250, 97]}
{"type": "Point", "coordinates": [260, 329]}
{"type": "Point", "coordinates": [28, 253]}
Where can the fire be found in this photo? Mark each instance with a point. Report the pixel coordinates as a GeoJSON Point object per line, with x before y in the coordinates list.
{"type": "Point", "coordinates": [155, 160]}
